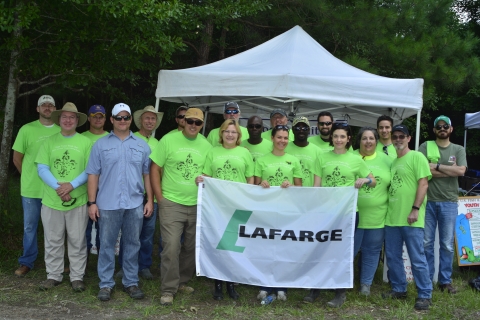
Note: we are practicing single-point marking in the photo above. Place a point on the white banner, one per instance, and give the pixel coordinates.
(297, 237)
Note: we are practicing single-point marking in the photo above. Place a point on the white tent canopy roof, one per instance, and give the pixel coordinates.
(294, 72)
(472, 120)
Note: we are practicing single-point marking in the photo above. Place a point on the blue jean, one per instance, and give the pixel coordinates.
(371, 242)
(88, 234)
(444, 214)
(413, 238)
(146, 242)
(31, 215)
(112, 221)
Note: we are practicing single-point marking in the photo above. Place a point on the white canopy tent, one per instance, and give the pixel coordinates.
(294, 72)
(472, 121)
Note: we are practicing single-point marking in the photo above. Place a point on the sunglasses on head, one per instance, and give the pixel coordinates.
(298, 128)
(231, 111)
(398, 137)
(326, 123)
(281, 126)
(180, 116)
(119, 118)
(444, 126)
(254, 126)
(198, 123)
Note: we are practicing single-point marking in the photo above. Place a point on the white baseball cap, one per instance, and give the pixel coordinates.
(45, 99)
(119, 107)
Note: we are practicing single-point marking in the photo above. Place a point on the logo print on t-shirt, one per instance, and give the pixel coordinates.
(64, 165)
(395, 184)
(188, 168)
(369, 189)
(227, 172)
(277, 179)
(305, 171)
(335, 179)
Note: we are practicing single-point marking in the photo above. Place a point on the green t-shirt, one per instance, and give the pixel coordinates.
(234, 164)
(268, 135)
(341, 170)
(258, 150)
(445, 189)
(182, 160)
(151, 141)
(392, 153)
(67, 158)
(94, 137)
(28, 142)
(277, 169)
(317, 140)
(214, 138)
(373, 202)
(308, 157)
(405, 172)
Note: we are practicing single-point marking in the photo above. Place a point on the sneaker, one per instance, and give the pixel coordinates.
(282, 296)
(364, 289)
(119, 274)
(394, 295)
(449, 287)
(104, 294)
(422, 304)
(22, 271)
(146, 274)
(262, 294)
(134, 292)
(312, 295)
(78, 286)
(185, 289)
(166, 299)
(48, 284)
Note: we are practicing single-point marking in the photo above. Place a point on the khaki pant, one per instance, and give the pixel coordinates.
(178, 262)
(55, 224)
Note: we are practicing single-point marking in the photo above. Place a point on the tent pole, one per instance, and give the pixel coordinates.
(417, 133)
(205, 120)
(465, 140)
(157, 103)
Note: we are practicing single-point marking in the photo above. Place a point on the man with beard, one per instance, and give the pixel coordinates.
(384, 129)
(324, 124)
(405, 220)
(307, 153)
(447, 162)
(257, 145)
(25, 149)
(179, 119)
(231, 110)
(278, 117)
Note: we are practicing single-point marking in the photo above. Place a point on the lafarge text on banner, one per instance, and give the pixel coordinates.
(295, 237)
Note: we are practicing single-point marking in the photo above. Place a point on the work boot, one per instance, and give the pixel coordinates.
(218, 293)
(231, 291)
(312, 295)
(340, 297)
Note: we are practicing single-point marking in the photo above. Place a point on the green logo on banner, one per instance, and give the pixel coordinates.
(230, 236)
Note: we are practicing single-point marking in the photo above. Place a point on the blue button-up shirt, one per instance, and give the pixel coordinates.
(120, 165)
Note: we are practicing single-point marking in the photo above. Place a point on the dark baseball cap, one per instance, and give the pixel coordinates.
(402, 128)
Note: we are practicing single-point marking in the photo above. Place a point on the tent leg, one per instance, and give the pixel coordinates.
(465, 140)
(417, 133)
(157, 103)
(205, 121)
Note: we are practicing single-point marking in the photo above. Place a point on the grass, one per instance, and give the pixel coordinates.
(20, 297)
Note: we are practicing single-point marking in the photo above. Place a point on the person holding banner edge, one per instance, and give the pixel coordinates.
(277, 169)
(228, 161)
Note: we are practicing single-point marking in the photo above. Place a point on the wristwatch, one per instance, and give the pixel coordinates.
(90, 203)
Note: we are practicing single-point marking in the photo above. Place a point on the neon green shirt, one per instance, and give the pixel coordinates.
(308, 157)
(341, 170)
(28, 142)
(182, 160)
(406, 171)
(151, 141)
(277, 169)
(258, 150)
(373, 202)
(317, 140)
(214, 138)
(67, 158)
(268, 135)
(392, 153)
(234, 164)
(94, 137)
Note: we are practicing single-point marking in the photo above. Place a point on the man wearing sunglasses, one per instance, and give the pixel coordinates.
(324, 124)
(231, 110)
(257, 146)
(176, 161)
(61, 163)
(278, 117)
(179, 119)
(447, 162)
(384, 129)
(405, 220)
(119, 168)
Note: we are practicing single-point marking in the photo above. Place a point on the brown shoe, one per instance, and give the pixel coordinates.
(449, 288)
(48, 284)
(78, 286)
(185, 289)
(22, 271)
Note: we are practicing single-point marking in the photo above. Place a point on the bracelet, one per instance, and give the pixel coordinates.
(369, 180)
(415, 207)
(438, 166)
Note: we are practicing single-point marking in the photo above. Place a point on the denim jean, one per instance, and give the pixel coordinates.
(31, 216)
(88, 235)
(112, 221)
(371, 242)
(444, 214)
(413, 238)
(146, 242)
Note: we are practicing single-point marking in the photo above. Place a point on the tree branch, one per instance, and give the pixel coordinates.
(35, 90)
(20, 83)
(191, 45)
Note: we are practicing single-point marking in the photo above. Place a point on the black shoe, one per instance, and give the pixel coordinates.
(449, 288)
(422, 303)
(394, 295)
(312, 295)
(104, 294)
(231, 291)
(339, 300)
(134, 292)
(218, 293)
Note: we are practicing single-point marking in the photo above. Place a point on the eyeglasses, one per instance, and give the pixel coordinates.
(198, 123)
(254, 126)
(282, 127)
(180, 116)
(119, 118)
(399, 137)
(444, 126)
(230, 132)
(232, 111)
(326, 123)
(69, 204)
(385, 150)
(301, 128)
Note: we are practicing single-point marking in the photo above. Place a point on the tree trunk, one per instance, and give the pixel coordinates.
(205, 43)
(223, 37)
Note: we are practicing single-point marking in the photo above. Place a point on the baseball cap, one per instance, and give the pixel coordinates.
(45, 99)
(194, 113)
(96, 108)
(231, 104)
(300, 120)
(119, 107)
(279, 111)
(443, 118)
(402, 128)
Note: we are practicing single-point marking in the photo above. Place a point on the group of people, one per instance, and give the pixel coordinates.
(121, 180)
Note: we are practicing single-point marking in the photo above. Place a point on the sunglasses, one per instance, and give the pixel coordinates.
(326, 123)
(254, 126)
(282, 127)
(232, 111)
(180, 116)
(119, 118)
(444, 126)
(385, 150)
(301, 128)
(399, 137)
(198, 123)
